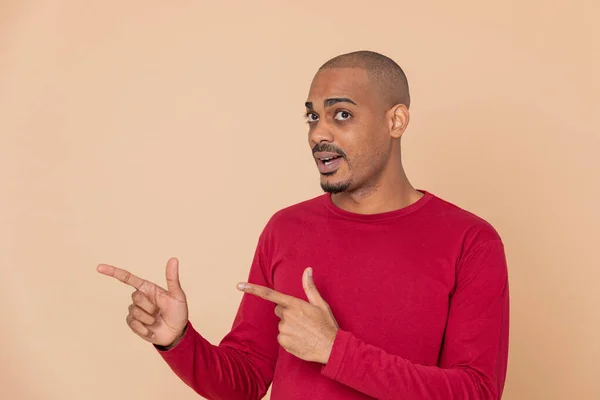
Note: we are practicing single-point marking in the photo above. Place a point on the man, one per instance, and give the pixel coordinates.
(372, 290)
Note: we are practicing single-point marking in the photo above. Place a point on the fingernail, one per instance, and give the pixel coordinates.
(309, 271)
(241, 286)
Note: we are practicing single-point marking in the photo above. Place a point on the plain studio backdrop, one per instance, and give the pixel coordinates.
(134, 131)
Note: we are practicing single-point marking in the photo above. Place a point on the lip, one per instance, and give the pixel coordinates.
(325, 154)
(329, 167)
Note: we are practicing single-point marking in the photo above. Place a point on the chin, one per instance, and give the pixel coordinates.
(335, 186)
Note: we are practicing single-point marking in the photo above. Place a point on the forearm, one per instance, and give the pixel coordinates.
(214, 372)
(374, 372)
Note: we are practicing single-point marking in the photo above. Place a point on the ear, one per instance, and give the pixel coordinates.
(398, 118)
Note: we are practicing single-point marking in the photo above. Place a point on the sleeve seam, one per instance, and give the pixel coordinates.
(468, 258)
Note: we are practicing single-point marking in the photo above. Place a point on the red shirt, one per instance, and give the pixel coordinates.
(420, 294)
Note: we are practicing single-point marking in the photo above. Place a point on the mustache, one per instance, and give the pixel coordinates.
(329, 148)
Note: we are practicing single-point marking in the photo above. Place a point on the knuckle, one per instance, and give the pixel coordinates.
(127, 276)
(284, 328)
(136, 296)
(284, 342)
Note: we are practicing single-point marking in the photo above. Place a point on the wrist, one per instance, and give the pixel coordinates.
(329, 348)
(175, 341)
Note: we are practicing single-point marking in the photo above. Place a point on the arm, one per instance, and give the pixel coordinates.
(242, 365)
(473, 359)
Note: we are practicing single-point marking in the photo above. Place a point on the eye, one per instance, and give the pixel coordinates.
(342, 115)
(311, 117)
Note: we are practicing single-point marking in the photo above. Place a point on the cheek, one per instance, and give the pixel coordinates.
(366, 145)
(360, 158)
(368, 155)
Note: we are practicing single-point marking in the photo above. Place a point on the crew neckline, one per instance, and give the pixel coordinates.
(401, 212)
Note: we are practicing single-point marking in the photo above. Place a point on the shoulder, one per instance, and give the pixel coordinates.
(479, 246)
(470, 228)
(304, 212)
(301, 209)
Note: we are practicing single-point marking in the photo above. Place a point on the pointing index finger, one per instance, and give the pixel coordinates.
(123, 275)
(267, 294)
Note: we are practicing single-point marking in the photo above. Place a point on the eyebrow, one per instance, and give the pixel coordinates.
(330, 102)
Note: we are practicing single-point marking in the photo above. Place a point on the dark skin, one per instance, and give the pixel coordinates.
(368, 132)
(346, 112)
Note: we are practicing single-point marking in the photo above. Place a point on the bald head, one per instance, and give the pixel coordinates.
(383, 72)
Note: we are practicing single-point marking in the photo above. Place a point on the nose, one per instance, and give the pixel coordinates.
(319, 133)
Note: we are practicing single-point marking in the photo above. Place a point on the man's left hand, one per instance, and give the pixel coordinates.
(306, 330)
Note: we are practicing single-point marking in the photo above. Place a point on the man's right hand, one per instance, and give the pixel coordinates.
(157, 315)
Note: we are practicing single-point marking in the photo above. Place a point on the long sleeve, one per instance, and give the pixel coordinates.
(473, 359)
(241, 367)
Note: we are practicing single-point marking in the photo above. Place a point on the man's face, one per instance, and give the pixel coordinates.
(348, 133)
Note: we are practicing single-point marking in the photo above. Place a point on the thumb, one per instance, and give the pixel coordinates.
(173, 285)
(313, 295)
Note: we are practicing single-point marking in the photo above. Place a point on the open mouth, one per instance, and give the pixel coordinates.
(328, 163)
(329, 160)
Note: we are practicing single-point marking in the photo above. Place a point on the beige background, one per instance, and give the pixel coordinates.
(133, 131)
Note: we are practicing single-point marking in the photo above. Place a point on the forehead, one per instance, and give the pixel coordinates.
(340, 82)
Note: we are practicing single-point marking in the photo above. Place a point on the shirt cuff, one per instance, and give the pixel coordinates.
(339, 353)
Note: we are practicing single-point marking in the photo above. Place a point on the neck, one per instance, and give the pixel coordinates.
(392, 191)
